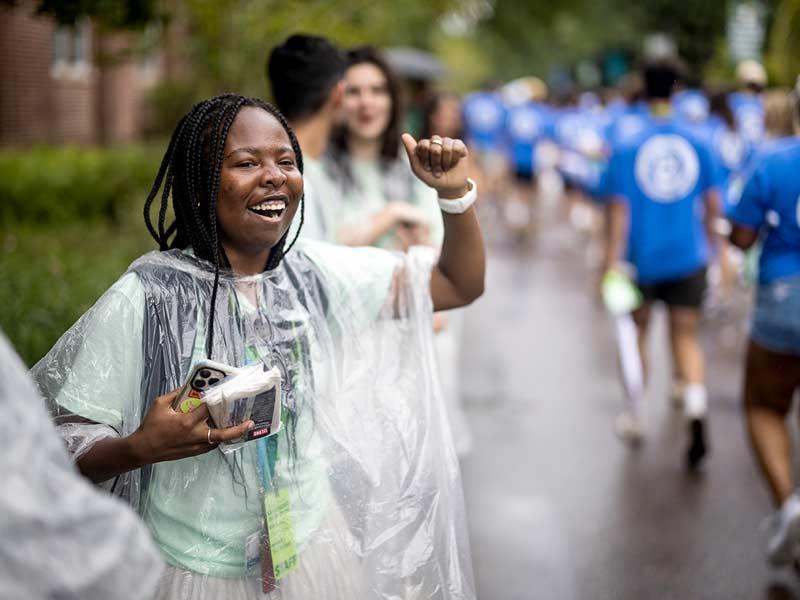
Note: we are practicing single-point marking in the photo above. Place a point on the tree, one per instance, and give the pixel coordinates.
(783, 56)
(116, 14)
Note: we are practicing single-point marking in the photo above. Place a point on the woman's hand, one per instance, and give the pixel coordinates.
(443, 166)
(408, 235)
(393, 216)
(169, 435)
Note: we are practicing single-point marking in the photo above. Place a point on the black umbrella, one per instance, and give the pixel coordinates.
(412, 63)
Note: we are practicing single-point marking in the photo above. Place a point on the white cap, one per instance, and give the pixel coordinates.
(523, 90)
(751, 71)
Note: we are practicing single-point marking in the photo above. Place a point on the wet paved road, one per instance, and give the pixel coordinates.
(558, 508)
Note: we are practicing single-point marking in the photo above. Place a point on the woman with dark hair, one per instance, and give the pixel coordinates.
(382, 204)
(323, 508)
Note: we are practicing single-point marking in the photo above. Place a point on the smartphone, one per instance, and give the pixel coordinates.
(203, 376)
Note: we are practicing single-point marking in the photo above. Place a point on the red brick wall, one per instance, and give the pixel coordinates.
(26, 98)
(119, 94)
(39, 105)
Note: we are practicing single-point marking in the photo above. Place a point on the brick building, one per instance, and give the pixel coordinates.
(69, 84)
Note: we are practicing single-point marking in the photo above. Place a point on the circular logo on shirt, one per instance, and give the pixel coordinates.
(667, 168)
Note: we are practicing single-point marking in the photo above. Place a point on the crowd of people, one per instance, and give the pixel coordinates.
(675, 183)
(317, 237)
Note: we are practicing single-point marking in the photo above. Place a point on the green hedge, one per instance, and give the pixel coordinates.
(67, 184)
(70, 223)
(52, 274)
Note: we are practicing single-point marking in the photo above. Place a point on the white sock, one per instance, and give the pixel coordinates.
(695, 400)
(790, 505)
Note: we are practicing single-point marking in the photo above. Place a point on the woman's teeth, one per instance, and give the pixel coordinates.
(270, 208)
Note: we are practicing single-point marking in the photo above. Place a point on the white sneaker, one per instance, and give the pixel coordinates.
(628, 428)
(783, 529)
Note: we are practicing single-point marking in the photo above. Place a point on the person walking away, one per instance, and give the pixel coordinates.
(769, 214)
(662, 206)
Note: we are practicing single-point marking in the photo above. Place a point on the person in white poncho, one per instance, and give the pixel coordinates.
(359, 494)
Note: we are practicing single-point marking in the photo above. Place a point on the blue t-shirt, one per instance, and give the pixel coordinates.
(622, 126)
(567, 124)
(484, 120)
(729, 152)
(662, 172)
(771, 202)
(748, 112)
(691, 105)
(578, 134)
(526, 125)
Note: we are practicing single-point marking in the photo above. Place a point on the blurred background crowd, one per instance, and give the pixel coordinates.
(541, 93)
(89, 89)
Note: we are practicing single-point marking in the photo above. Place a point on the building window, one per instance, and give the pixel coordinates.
(72, 50)
(148, 50)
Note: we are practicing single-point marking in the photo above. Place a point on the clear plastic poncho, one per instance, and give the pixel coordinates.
(363, 486)
(59, 537)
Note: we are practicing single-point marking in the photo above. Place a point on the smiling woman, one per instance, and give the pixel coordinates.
(260, 189)
(322, 509)
(382, 203)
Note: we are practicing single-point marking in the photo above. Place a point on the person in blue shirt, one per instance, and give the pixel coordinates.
(769, 212)
(747, 104)
(527, 124)
(691, 105)
(728, 147)
(484, 119)
(662, 203)
(484, 124)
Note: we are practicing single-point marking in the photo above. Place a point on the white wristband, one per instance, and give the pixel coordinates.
(460, 205)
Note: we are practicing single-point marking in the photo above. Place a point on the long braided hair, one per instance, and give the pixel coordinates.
(190, 173)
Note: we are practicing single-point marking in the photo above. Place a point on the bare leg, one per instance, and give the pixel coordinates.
(770, 380)
(684, 326)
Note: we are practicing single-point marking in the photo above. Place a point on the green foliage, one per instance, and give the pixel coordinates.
(695, 26)
(228, 41)
(71, 222)
(109, 13)
(64, 184)
(167, 102)
(52, 274)
(529, 38)
(783, 58)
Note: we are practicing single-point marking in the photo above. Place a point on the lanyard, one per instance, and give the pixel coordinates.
(264, 465)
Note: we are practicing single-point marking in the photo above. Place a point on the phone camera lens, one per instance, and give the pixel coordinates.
(200, 383)
(205, 374)
(213, 381)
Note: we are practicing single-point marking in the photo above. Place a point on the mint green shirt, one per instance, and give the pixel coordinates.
(212, 542)
(367, 197)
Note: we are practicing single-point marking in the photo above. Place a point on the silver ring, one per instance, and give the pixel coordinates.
(208, 436)
(437, 139)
